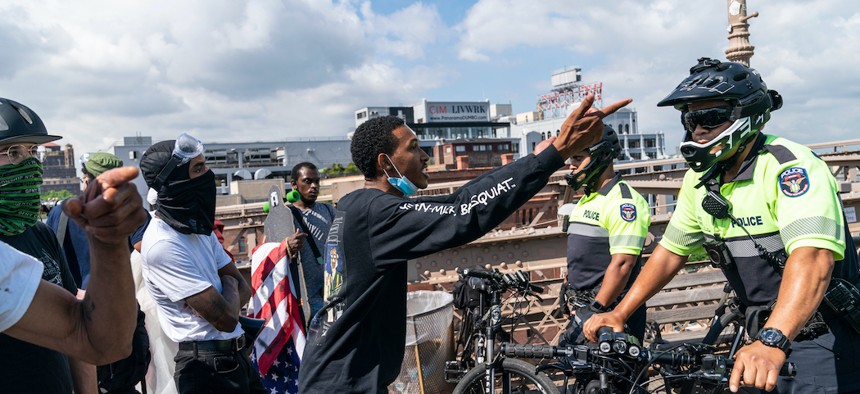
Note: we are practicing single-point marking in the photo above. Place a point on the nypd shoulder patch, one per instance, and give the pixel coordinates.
(628, 212)
(794, 182)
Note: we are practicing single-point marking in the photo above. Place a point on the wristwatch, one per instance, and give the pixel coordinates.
(773, 337)
(596, 306)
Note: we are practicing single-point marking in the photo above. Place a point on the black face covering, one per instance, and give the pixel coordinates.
(188, 205)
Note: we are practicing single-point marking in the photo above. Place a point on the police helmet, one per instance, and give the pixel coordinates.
(748, 100)
(18, 123)
(603, 153)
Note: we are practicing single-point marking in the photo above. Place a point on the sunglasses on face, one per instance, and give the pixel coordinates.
(709, 118)
(17, 153)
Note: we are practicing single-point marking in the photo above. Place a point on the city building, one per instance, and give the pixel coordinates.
(249, 160)
(436, 122)
(469, 153)
(59, 169)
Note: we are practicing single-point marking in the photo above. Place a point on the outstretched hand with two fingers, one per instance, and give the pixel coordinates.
(584, 127)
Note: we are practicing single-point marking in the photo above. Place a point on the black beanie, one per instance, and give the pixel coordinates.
(153, 161)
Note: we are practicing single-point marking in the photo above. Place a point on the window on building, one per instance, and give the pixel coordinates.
(243, 246)
(460, 148)
(447, 149)
(627, 128)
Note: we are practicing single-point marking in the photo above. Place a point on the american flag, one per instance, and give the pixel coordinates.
(278, 348)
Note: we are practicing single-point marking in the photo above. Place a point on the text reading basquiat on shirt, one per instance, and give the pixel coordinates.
(487, 195)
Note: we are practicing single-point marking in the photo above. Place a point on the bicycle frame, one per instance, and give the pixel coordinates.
(487, 332)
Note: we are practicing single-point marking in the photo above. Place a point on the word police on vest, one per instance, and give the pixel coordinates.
(747, 221)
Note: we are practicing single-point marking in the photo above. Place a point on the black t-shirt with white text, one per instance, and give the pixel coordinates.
(373, 235)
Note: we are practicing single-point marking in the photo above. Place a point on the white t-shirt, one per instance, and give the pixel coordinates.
(177, 266)
(20, 275)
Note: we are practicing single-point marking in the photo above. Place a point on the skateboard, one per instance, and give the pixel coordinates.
(279, 224)
(277, 227)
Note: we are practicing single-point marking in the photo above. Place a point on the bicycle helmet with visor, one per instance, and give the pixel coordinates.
(748, 106)
(603, 153)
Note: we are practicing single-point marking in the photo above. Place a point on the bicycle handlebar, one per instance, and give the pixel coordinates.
(517, 279)
(677, 359)
(476, 273)
(535, 351)
(706, 361)
(711, 360)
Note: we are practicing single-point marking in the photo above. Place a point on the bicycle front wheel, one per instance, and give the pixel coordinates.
(513, 376)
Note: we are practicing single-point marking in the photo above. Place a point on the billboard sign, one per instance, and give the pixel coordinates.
(458, 111)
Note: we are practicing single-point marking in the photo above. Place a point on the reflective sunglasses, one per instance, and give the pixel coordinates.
(709, 118)
(17, 153)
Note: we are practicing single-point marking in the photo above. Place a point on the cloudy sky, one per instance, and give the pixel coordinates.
(229, 70)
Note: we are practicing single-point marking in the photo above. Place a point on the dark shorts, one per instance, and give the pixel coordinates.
(216, 371)
(827, 364)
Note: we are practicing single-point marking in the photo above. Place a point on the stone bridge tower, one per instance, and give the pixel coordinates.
(739, 49)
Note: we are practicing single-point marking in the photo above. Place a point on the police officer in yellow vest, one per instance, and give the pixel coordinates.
(606, 231)
(767, 210)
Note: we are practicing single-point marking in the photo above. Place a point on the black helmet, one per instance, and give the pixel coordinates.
(20, 124)
(603, 153)
(745, 93)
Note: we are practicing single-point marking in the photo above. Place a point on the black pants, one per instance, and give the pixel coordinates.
(213, 371)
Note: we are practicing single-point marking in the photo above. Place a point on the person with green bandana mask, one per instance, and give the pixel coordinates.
(25, 365)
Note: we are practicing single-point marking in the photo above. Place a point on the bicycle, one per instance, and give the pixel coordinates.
(619, 355)
(488, 371)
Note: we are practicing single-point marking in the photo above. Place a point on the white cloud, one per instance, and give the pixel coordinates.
(806, 50)
(98, 70)
(404, 33)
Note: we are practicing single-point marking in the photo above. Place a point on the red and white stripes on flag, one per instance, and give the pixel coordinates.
(275, 301)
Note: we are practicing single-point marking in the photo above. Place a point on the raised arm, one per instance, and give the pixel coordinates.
(97, 329)
(413, 229)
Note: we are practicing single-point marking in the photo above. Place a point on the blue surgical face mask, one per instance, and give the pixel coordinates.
(401, 183)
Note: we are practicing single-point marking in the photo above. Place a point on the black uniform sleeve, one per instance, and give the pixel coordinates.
(405, 229)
